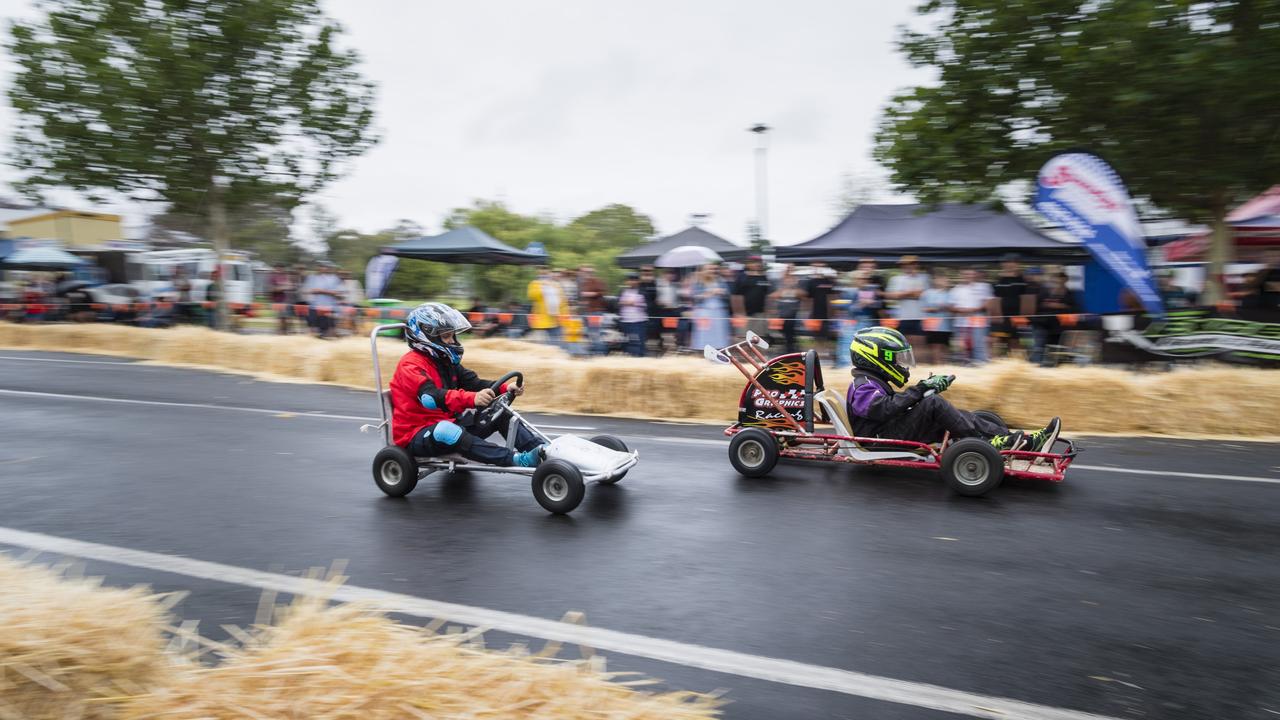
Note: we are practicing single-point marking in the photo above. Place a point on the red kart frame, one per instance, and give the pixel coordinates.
(792, 427)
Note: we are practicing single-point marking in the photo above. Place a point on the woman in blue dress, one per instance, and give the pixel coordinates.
(710, 310)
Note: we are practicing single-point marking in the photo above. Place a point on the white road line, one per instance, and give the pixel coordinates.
(1172, 473)
(130, 363)
(657, 439)
(203, 406)
(775, 670)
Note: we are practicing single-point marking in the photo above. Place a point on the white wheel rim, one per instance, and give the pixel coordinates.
(391, 473)
(556, 488)
(751, 453)
(972, 469)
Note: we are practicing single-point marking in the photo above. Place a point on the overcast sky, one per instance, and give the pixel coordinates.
(563, 106)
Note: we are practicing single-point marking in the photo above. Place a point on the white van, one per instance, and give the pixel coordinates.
(152, 272)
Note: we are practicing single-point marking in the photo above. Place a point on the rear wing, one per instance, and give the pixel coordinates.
(780, 390)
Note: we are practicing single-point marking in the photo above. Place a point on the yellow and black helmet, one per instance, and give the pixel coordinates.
(883, 352)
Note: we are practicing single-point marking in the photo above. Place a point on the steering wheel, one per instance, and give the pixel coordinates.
(501, 400)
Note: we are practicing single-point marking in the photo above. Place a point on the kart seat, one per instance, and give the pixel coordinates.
(833, 408)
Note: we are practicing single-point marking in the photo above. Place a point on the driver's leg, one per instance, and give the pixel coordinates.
(525, 440)
(928, 420)
(446, 437)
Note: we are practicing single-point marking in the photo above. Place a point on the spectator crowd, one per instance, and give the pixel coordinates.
(950, 315)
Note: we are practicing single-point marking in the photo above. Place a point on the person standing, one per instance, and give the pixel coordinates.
(970, 301)
(280, 289)
(1011, 289)
(751, 295)
(633, 314)
(935, 304)
(324, 293)
(591, 298)
(865, 305)
(1055, 300)
(545, 297)
(787, 301)
(711, 310)
(182, 293)
(905, 290)
(818, 289)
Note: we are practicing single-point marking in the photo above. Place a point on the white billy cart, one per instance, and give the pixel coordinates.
(559, 482)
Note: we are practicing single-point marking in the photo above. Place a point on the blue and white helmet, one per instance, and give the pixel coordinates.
(427, 322)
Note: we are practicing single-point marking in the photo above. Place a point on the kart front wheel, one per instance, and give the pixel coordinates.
(612, 443)
(558, 486)
(395, 471)
(753, 452)
(972, 467)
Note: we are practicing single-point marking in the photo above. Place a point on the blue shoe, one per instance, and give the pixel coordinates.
(530, 458)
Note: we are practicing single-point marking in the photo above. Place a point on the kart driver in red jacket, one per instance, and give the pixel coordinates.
(431, 389)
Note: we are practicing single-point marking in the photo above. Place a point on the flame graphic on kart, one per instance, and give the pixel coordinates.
(768, 423)
(790, 373)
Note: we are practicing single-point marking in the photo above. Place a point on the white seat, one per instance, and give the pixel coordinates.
(833, 408)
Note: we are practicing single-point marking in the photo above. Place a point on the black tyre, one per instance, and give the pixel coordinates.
(612, 443)
(972, 467)
(992, 416)
(395, 471)
(753, 452)
(558, 486)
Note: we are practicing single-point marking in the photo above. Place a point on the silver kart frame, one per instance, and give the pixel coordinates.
(428, 465)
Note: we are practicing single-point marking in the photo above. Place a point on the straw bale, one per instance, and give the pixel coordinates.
(1207, 400)
(68, 644)
(348, 663)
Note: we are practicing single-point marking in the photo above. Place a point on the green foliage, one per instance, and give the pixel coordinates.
(418, 279)
(615, 227)
(204, 105)
(1178, 96)
(596, 239)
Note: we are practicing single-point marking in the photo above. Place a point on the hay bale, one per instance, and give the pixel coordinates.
(67, 644)
(1087, 398)
(348, 663)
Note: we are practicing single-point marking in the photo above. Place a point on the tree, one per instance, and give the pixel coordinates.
(210, 106)
(1170, 92)
(618, 227)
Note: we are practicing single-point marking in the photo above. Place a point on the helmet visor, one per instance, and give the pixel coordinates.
(451, 321)
(905, 358)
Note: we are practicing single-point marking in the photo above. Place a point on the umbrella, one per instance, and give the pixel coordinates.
(42, 258)
(687, 256)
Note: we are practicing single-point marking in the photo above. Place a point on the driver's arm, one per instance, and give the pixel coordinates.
(433, 397)
(871, 402)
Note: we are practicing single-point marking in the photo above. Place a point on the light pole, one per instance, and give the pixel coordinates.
(762, 171)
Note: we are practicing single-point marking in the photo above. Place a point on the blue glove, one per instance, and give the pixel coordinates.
(937, 383)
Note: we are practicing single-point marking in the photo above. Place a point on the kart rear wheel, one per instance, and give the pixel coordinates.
(972, 467)
(395, 471)
(558, 486)
(612, 443)
(991, 415)
(753, 452)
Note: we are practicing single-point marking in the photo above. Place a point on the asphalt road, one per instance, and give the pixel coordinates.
(1145, 595)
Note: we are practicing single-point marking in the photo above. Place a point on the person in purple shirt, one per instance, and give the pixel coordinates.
(882, 358)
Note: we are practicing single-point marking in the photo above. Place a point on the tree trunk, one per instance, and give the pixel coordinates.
(1221, 252)
(221, 243)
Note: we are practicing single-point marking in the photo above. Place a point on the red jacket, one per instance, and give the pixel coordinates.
(450, 388)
